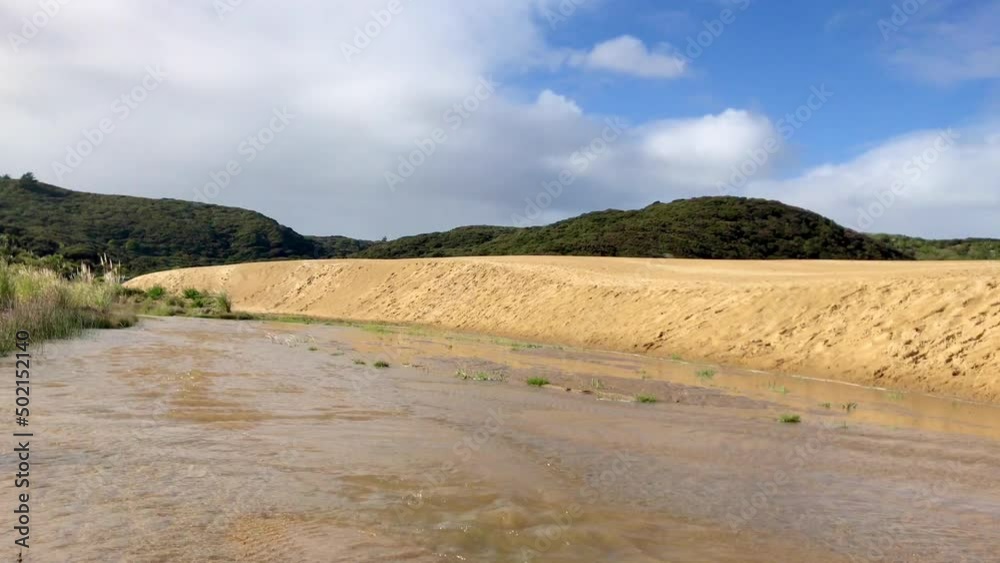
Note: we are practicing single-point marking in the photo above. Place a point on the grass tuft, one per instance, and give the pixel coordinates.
(645, 398)
(538, 381)
(381, 364)
(706, 374)
(790, 419)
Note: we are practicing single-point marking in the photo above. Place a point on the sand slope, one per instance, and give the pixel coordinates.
(927, 326)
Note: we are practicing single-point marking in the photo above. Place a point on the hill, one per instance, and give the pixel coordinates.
(145, 234)
(158, 234)
(707, 227)
(955, 249)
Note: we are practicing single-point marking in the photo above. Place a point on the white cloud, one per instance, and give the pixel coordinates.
(555, 104)
(325, 173)
(942, 181)
(629, 55)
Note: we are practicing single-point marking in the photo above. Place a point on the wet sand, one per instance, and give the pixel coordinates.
(196, 440)
(931, 327)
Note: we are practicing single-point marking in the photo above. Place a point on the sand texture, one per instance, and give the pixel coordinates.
(919, 326)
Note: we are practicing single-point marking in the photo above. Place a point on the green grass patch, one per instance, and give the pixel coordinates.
(790, 419)
(381, 364)
(645, 398)
(538, 381)
(360, 362)
(705, 374)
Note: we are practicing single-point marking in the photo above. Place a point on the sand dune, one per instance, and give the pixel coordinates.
(928, 326)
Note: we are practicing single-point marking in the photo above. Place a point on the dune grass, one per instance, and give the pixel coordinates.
(51, 307)
(538, 381)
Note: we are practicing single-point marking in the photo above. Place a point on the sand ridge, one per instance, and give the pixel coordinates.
(915, 326)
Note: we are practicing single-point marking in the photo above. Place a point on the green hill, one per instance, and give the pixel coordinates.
(707, 227)
(157, 234)
(955, 249)
(145, 234)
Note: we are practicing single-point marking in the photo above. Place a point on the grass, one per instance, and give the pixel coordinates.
(313, 348)
(676, 357)
(597, 383)
(538, 381)
(895, 395)
(706, 374)
(360, 362)
(825, 405)
(790, 419)
(377, 329)
(645, 398)
(778, 388)
(381, 364)
(156, 292)
(51, 307)
(480, 375)
(191, 293)
(190, 302)
(848, 407)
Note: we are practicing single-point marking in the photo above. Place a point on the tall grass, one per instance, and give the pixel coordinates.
(49, 306)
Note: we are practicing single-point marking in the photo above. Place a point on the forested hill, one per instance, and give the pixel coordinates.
(157, 234)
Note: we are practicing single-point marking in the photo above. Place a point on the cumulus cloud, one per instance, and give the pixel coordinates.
(629, 55)
(367, 94)
(940, 178)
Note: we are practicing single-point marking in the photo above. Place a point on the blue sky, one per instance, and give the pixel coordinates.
(603, 109)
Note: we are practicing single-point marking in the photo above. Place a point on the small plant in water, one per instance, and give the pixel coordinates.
(645, 398)
(778, 388)
(706, 374)
(676, 357)
(895, 395)
(313, 348)
(538, 381)
(359, 362)
(596, 383)
(790, 419)
(848, 407)
(825, 405)
(381, 364)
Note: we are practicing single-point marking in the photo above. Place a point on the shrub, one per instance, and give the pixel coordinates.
(538, 381)
(156, 292)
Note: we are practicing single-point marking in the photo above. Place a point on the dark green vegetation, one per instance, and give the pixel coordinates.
(790, 419)
(956, 249)
(707, 227)
(157, 301)
(144, 234)
(645, 398)
(538, 381)
(55, 228)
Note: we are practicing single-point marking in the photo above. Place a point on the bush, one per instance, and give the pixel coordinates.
(156, 292)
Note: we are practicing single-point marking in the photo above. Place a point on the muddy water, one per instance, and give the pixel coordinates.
(193, 440)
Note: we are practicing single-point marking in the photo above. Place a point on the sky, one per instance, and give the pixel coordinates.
(373, 118)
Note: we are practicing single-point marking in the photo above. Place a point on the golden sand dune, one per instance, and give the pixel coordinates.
(925, 326)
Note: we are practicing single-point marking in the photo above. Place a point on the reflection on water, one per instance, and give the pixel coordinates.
(193, 440)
